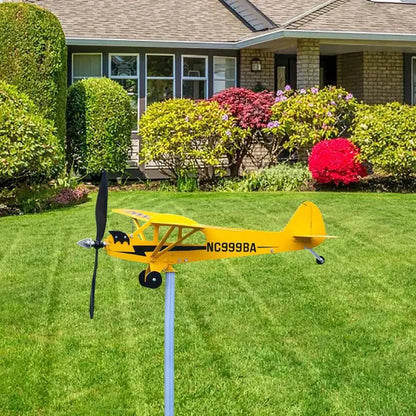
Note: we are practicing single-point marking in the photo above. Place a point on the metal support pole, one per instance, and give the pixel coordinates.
(169, 343)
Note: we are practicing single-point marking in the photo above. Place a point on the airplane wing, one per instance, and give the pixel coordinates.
(160, 219)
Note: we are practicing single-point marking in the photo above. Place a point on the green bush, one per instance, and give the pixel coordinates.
(183, 137)
(98, 126)
(29, 149)
(33, 57)
(303, 118)
(282, 177)
(386, 136)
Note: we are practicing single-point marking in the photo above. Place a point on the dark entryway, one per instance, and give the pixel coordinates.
(285, 71)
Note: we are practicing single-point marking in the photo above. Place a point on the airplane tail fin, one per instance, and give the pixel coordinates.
(307, 222)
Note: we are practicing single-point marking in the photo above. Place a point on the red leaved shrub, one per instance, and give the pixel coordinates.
(336, 161)
(251, 109)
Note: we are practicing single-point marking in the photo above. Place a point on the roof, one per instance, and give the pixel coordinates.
(189, 20)
(232, 24)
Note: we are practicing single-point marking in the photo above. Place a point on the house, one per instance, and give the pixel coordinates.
(159, 49)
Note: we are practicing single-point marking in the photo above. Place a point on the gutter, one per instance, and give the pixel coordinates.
(242, 44)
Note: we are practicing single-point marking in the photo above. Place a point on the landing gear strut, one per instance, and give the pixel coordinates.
(153, 279)
(319, 259)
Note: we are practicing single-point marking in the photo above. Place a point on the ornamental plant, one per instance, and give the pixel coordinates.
(302, 118)
(33, 57)
(386, 135)
(29, 148)
(336, 161)
(252, 111)
(98, 126)
(186, 138)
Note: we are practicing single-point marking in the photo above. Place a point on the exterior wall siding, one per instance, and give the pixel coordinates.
(249, 79)
(308, 63)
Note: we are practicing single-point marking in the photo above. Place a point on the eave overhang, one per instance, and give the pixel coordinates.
(257, 40)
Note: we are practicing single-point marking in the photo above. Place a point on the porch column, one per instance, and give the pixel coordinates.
(308, 63)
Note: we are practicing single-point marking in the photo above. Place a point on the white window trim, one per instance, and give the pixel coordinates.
(168, 78)
(183, 78)
(412, 80)
(137, 55)
(225, 79)
(83, 54)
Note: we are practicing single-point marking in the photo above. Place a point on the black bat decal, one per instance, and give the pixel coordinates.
(120, 237)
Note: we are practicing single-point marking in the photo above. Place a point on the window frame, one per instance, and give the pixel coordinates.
(173, 78)
(183, 78)
(412, 80)
(84, 54)
(137, 77)
(225, 79)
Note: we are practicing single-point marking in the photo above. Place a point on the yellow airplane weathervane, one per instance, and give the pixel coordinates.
(161, 241)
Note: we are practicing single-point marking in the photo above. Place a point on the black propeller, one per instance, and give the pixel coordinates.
(101, 221)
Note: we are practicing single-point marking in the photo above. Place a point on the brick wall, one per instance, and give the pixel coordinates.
(308, 63)
(249, 79)
(383, 77)
(374, 77)
(350, 68)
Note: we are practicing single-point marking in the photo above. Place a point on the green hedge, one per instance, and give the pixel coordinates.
(386, 136)
(98, 126)
(33, 57)
(29, 149)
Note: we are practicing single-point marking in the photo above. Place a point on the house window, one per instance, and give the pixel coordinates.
(124, 69)
(225, 73)
(86, 65)
(160, 76)
(194, 76)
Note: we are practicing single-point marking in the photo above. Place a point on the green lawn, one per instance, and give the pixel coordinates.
(273, 335)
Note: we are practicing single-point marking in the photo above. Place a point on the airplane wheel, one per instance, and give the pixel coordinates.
(141, 278)
(153, 279)
(321, 260)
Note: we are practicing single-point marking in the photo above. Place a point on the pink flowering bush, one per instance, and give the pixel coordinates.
(336, 161)
(71, 196)
(302, 118)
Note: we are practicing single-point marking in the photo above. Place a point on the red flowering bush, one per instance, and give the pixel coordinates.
(336, 161)
(70, 196)
(251, 109)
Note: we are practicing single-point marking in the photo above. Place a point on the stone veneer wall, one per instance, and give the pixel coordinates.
(374, 77)
(308, 63)
(249, 79)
